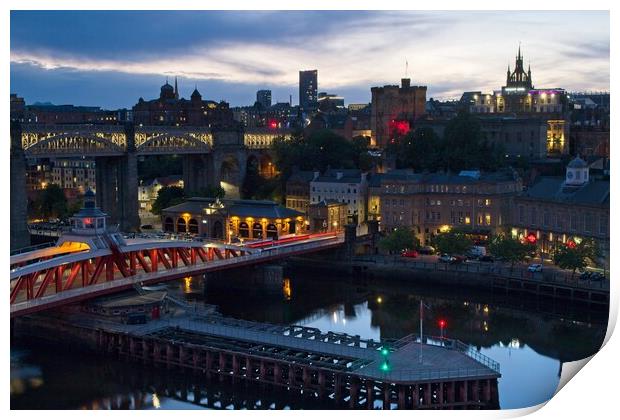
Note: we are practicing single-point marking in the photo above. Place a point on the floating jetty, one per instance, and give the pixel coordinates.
(438, 373)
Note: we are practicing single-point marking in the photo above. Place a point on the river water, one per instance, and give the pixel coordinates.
(530, 339)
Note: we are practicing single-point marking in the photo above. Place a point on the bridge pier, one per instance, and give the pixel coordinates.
(197, 173)
(20, 237)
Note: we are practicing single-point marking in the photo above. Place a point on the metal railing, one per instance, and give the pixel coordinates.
(32, 248)
(518, 273)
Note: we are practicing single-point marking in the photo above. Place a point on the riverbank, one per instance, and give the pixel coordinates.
(488, 277)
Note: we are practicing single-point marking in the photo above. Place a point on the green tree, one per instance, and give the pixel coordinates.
(509, 249)
(159, 166)
(575, 257)
(210, 191)
(419, 150)
(452, 242)
(319, 150)
(166, 197)
(51, 203)
(399, 240)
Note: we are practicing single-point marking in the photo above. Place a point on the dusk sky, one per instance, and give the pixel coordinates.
(110, 59)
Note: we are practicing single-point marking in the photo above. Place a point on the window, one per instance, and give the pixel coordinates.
(487, 219)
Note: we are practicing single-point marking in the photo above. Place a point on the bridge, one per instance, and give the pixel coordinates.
(80, 267)
(210, 157)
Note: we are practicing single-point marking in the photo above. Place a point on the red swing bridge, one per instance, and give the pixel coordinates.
(91, 261)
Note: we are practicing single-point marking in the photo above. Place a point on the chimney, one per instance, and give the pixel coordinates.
(406, 83)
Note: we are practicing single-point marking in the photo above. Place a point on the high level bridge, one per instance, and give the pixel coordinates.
(210, 157)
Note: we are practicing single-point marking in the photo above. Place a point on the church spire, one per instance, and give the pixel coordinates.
(176, 89)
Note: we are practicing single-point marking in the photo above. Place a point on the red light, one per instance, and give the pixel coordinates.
(399, 127)
(442, 323)
(273, 124)
(571, 244)
(531, 238)
(87, 221)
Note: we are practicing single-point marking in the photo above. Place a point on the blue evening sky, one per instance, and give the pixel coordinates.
(111, 58)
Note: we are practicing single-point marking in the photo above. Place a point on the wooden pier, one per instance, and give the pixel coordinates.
(348, 370)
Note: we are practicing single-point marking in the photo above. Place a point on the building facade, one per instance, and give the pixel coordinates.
(558, 209)
(348, 186)
(327, 215)
(169, 109)
(478, 203)
(147, 191)
(308, 87)
(519, 98)
(263, 97)
(228, 219)
(298, 190)
(395, 110)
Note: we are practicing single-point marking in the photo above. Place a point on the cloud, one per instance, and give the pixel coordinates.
(450, 52)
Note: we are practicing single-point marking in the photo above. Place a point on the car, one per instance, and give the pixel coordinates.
(445, 258)
(457, 259)
(426, 250)
(149, 227)
(410, 253)
(535, 268)
(486, 258)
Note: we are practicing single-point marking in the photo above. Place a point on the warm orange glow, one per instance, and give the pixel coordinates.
(286, 289)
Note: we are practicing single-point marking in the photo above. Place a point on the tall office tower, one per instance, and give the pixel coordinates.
(308, 89)
(263, 97)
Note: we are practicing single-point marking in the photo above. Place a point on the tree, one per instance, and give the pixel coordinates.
(210, 191)
(166, 197)
(572, 256)
(399, 240)
(159, 166)
(51, 203)
(420, 150)
(509, 249)
(452, 242)
(319, 150)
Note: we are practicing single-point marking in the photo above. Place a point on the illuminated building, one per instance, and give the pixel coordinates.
(347, 186)
(520, 99)
(226, 219)
(298, 189)
(169, 109)
(263, 97)
(429, 203)
(557, 209)
(327, 215)
(308, 85)
(395, 110)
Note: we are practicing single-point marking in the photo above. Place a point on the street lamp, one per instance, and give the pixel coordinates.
(335, 224)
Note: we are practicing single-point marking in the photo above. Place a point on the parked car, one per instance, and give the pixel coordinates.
(457, 259)
(426, 250)
(445, 258)
(486, 258)
(410, 253)
(535, 268)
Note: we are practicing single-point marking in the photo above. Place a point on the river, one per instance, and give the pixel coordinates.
(530, 339)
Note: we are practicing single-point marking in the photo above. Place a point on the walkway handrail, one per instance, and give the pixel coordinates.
(32, 248)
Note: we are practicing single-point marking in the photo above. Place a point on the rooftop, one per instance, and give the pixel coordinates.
(241, 208)
(553, 188)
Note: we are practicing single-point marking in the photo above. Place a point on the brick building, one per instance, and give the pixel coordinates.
(395, 110)
(557, 209)
(429, 203)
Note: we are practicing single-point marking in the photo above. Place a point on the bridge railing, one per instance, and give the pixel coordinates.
(32, 248)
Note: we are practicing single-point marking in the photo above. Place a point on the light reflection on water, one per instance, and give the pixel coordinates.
(530, 347)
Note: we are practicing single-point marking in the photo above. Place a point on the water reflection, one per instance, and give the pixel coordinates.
(530, 340)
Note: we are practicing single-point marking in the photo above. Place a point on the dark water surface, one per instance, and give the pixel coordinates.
(530, 339)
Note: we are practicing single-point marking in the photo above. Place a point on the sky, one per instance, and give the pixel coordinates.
(112, 58)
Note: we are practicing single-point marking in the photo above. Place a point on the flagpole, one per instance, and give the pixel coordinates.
(421, 318)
